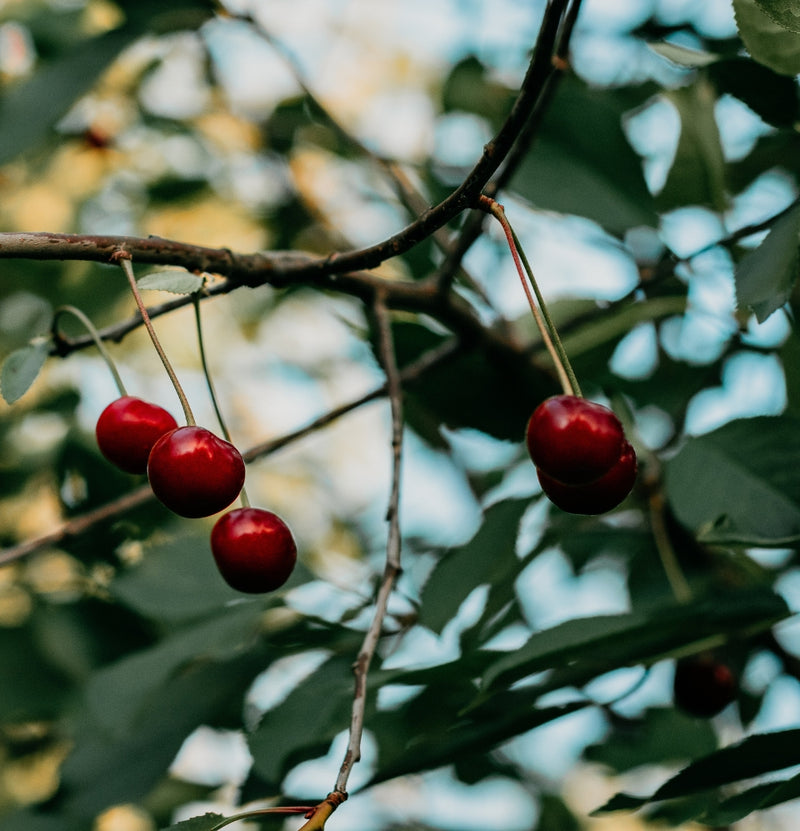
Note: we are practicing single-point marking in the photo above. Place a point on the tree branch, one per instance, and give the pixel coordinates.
(392, 567)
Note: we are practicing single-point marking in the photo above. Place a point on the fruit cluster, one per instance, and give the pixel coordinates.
(584, 463)
(196, 474)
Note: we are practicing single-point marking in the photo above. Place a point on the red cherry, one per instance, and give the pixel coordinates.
(127, 430)
(254, 550)
(703, 685)
(195, 473)
(574, 440)
(596, 497)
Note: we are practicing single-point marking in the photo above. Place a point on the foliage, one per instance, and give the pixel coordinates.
(295, 231)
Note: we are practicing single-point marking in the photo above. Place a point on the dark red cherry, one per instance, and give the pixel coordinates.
(195, 473)
(254, 550)
(703, 685)
(596, 497)
(127, 430)
(574, 440)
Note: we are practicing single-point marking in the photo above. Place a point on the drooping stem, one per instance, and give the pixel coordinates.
(245, 500)
(535, 300)
(669, 561)
(125, 262)
(392, 564)
(264, 812)
(95, 335)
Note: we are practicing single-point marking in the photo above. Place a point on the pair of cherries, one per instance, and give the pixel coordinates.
(196, 474)
(583, 461)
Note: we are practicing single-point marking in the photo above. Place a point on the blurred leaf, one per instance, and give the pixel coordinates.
(581, 162)
(784, 12)
(747, 470)
(177, 282)
(468, 88)
(754, 756)
(461, 570)
(765, 277)
(30, 687)
(303, 725)
(21, 368)
(771, 96)
(697, 175)
(607, 641)
(682, 55)
(660, 736)
(757, 798)
(554, 815)
(766, 40)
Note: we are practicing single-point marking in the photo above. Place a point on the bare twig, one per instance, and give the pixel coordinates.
(392, 566)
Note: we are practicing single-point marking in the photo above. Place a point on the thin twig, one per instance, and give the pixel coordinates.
(392, 565)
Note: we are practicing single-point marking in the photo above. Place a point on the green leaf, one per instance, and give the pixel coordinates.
(481, 560)
(682, 55)
(766, 276)
(660, 736)
(769, 42)
(697, 175)
(203, 823)
(747, 470)
(21, 368)
(608, 641)
(784, 12)
(757, 798)
(304, 724)
(754, 756)
(174, 281)
(581, 162)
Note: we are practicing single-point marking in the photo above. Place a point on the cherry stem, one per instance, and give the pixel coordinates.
(125, 261)
(210, 383)
(669, 561)
(541, 314)
(95, 335)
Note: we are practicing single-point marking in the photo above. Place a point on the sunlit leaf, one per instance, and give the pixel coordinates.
(21, 368)
(784, 12)
(176, 282)
(765, 277)
(769, 42)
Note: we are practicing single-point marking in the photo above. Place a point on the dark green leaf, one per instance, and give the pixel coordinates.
(754, 756)
(203, 823)
(768, 42)
(608, 641)
(747, 470)
(765, 277)
(757, 798)
(697, 175)
(480, 561)
(21, 368)
(304, 724)
(588, 172)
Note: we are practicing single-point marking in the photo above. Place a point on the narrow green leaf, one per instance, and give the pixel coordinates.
(765, 277)
(697, 175)
(757, 798)
(784, 12)
(462, 569)
(607, 641)
(754, 756)
(682, 55)
(21, 368)
(203, 823)
(591, 172)
(176, 282)
(747, 471)
(768, 41)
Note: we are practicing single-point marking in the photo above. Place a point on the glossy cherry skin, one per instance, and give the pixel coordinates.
(703, 686)
(195, 473)
(254, 550)
(127, 430)
(596, 497)
(574, 440)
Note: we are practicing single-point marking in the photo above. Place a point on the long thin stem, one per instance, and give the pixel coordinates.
(245, 500)
(392, 565)
(95, 335)
(124, 260)
(675, 577)
(565, 376)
